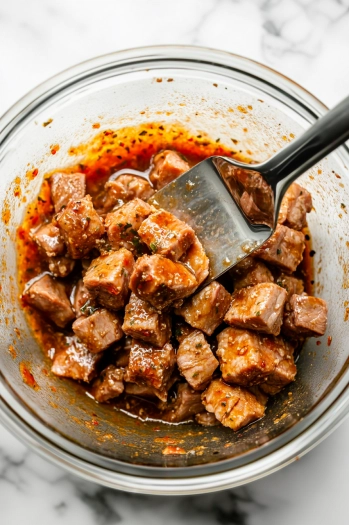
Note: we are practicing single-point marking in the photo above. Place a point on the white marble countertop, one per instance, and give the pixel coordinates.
(308, 40)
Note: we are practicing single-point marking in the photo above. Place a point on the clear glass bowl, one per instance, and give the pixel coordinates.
(225, 96)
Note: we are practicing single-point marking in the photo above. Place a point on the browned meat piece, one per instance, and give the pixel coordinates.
(107, 278)
(49, 296)
(167, 166)
(76, 361)
(261, 396)
(151, 366)
(109, 384)
(61, 266)
(146, 391)
(185, 406)
(123, 224)
(80, 226)
(99, 330)
(295, 205)
(123, 355)
(166, 235)
(48, 238)
(285, 370)
(233, 406)
(243, 356)
(206, 309)
(258, 307)
(256, 274)
(305, 316)
(142, 321)
(292, 285)
(81, 300)
(196, 361)
(197, 261)
(161, 281)
(124, 189)
(206, 419)
(182, 330)
(284, 248)
(65, 187)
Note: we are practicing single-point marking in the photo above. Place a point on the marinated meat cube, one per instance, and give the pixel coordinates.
(166, 235)
(99, 330)
(81, 300)
(185, 406)
(109, 384)
(258, 307)
(107, 278)
(206, 419)
(256, 274)
(161, 281)
(167, 166)
(142, 321)
(261, 396)
(65, 187)
(61, 266)
(206, 309)
(49, 296)
(151, 366)
(305, 316)
(123, 224)
(244, 358)
(284, 248)
(295, 205)
(233, 406)
(197, 261)
(123, 354)
(182, 330)
(124, 189)
(76, 361)
(80, 226)
(285, 370)
(292, 285)
(49, 239)
(196, 361)
(252, 211)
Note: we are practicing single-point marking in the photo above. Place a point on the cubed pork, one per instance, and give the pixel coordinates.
(166, 235)
(305, 316)
(99, 330)
(143, 321)
(76, 361)
(285, 370)
(65, 187)
(284, 248)
(123, 224)
(186, 405)
(258, 307)
(61, 266)
(80, 226)
(81, 300)
(167, 166)
(107, 278)
(182, 330)
(206, 419)
(125, 188)
(161, 281)
(295, 205)
(292, 285)
(49, 239)
(257, 273)
(206, 309)
(234, 406)
(196, 361)
(109, 384)
(49, 296)
(196, 259)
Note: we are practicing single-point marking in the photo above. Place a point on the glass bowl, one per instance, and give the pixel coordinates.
(228, 97)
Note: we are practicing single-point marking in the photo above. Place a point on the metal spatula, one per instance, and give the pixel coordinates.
(233, 207)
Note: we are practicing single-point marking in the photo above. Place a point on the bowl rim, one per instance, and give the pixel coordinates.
(308, 435)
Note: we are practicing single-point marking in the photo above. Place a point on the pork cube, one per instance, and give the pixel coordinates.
(206, 309)
(233, 406)
(65, 187)
(49, 239)
(197, 261)
(150, 365)
(61, 266)
(107, 278)
(258, 307)
(243, 357)
(295, 205)
(80, 226)
(161, 281)
(182, 330)
(292, 285)
(305, 316)
(167, 166)
(49, 296)
(284, 248)
(123, 224)
(109, 384)
(186, 405)
(206, 419)
(99, 330)
(126, 188)
(166, 235)
(81, 300)
(196, 361)
(76, 361)
(142, 321)
(256, 274)
(123, 353)
(285, 370)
